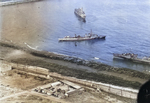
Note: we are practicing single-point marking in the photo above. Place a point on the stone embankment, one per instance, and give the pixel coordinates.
(42, 72)
(79, 61)
(12, 2)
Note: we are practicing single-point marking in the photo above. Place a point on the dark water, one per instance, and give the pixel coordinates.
(125, 23)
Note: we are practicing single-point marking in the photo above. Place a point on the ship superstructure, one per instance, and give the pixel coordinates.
(79, 12)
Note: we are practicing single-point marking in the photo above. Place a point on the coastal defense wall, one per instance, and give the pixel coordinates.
(12, 2)
(98, 86)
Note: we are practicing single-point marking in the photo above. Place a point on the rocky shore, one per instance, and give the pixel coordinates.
(99, 72)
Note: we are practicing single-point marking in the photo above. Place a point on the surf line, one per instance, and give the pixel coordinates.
(30, 46)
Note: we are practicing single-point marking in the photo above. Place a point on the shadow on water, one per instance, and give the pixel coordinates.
(131, 64)
(80, 19)
(95, 41)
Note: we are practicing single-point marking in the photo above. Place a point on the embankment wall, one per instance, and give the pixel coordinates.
(117, 90)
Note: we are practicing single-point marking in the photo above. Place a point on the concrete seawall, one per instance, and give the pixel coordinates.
(13, 2)
(117, 90)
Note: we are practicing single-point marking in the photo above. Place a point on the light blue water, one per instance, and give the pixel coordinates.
(125, 23)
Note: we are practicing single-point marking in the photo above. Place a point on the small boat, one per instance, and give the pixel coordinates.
(79, 12)
(133, 57)
(89, 36)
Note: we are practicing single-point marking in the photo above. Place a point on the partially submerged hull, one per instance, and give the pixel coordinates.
(125, 56)
(132, 57)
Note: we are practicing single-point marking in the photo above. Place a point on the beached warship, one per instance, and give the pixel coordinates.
(133, 57)
(79, 12)
(89, 36)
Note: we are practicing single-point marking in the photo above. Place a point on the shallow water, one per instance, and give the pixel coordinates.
(40, 24)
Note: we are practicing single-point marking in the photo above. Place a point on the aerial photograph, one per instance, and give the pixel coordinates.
(74, 51)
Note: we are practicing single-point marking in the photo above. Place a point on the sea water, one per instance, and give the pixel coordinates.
(125, 23)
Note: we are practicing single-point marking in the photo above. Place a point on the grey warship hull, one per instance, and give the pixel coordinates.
(89, 36)
(80, 13)
(80, 38)
(132, 57)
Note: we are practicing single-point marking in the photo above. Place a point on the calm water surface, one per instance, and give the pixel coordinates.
(125, 23)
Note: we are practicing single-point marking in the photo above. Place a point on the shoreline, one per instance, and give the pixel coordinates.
(79, 61)
(78, 73)
(14, 2)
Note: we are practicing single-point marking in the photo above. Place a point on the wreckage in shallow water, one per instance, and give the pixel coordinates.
(133, 57)
(126, 56)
